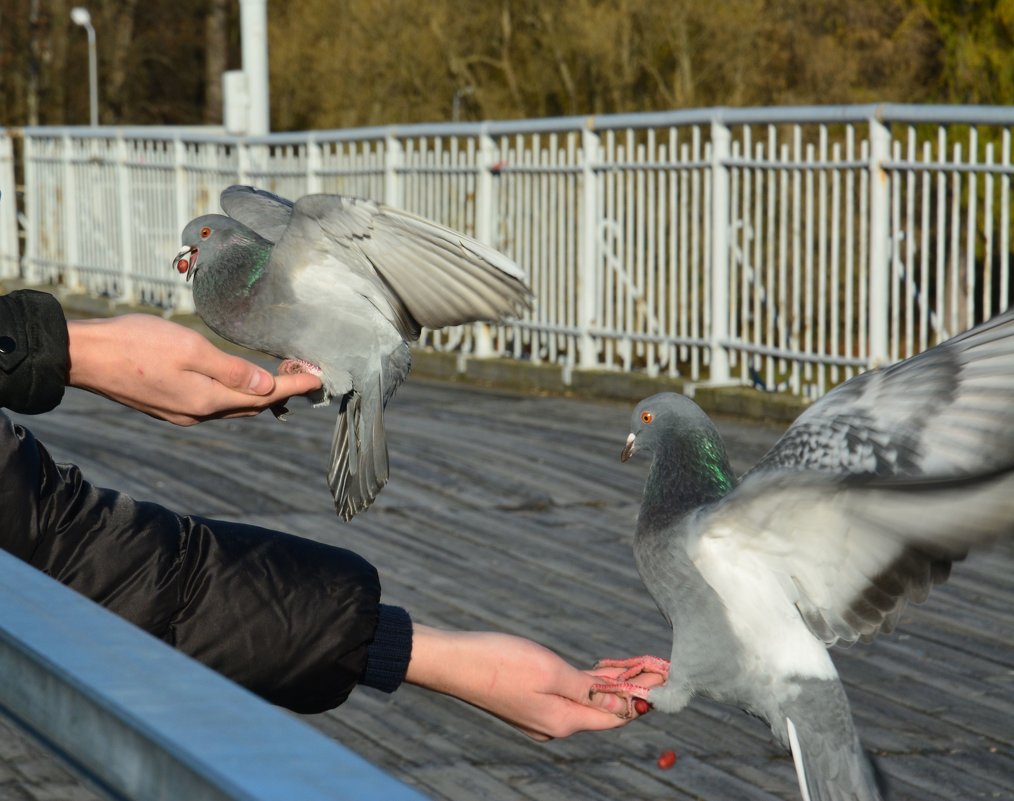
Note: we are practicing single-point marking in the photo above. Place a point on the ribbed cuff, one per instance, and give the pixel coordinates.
(388, 655)
(33, 351)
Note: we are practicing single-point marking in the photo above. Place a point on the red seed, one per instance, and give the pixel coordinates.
(641, 706)
(667, 760)
(183, 265)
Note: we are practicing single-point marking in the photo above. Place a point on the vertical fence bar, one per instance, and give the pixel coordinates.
(183, 299)
(941, 248)
(394, 159)
(970, 232)
(879, 265)
(313, 165)
(588, 256)
(32, 192)
(485, 156)
(72, 250)
(924, 252)
(721, 139)
(243, 159)
(850, 265)
(9, 256)
(126, 288)
(1005, 265)
(987, 230)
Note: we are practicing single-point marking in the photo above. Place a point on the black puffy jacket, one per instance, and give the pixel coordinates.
(295, 621)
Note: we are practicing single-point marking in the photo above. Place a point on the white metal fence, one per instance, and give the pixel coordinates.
(787, 247)
(8, 210)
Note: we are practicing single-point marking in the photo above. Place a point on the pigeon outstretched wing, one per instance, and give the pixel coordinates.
(946, 411)
(849, 553)
(439, 277)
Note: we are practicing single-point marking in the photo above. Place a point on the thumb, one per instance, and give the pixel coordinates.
(244, 376)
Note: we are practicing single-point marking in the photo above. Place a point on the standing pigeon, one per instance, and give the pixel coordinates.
(861, 505)
(339, 286)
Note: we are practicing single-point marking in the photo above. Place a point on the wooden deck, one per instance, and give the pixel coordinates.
(514, 513)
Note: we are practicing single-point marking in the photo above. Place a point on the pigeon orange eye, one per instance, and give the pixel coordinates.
(647, 417)
(205, 232)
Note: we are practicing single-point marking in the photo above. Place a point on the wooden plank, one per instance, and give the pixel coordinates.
(513, 513)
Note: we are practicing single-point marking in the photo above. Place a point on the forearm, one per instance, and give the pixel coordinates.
(466, 664)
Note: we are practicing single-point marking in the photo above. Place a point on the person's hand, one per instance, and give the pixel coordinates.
(172, 372)
(517, 680)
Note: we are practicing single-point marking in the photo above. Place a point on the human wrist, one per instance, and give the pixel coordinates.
(85, 344)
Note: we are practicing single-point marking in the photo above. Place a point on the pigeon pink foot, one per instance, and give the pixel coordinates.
(636, 665)
(293, 366)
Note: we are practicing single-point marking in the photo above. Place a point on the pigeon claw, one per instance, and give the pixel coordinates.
(637, 665)
(294, 366)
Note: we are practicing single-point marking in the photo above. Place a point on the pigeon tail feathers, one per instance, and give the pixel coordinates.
(830, 762)
(358, 466)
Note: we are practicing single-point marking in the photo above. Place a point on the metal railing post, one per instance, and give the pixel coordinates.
(313, 163)
(30, 262)
(8, 210)
(243, 163)
(588, 253)
(482, 345)
(880, 255)
(394, 157)
(72, 249)
(721, 139)
(126, 221)
(183, 297)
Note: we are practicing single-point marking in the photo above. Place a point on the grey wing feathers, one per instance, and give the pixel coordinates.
(854, 552)
(441, 277)
(261, 211)
(945, 411)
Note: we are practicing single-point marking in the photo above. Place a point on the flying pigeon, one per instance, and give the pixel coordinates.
(861, 506)
(339, 286)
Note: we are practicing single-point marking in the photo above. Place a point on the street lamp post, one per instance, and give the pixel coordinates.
(80, 16)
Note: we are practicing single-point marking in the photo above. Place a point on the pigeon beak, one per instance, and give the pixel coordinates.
(628, 449)
(186, 265)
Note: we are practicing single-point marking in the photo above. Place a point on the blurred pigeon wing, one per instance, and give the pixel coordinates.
(261, 211)
(849, 555)
(440, 277)
(946, 411)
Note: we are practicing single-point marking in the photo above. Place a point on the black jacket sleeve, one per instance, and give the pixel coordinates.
(297, 622)
(33, 351)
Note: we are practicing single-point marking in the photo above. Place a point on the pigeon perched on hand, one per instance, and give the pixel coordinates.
(338, 286)
(862, 505)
